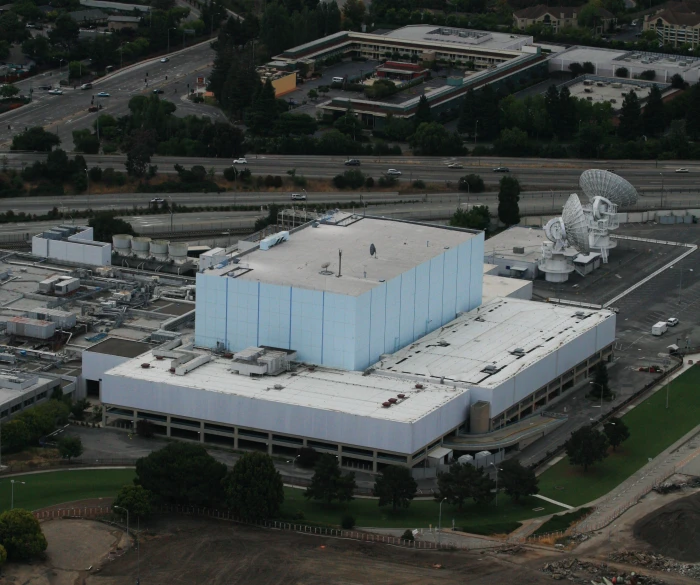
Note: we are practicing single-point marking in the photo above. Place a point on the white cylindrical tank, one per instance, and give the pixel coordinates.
(122, 244)
(159, 249)
(140, 246)
(178, 252)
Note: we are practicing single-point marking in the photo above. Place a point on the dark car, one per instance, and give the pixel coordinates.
(352, 162)
(501, 170)
(158, 91)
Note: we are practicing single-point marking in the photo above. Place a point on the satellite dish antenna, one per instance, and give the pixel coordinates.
(372, 250)
(556, 232)
(599, 183)
(575, 224)
(606, 192)
(324, 268)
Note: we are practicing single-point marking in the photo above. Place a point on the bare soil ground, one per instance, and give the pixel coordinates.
(74, 547)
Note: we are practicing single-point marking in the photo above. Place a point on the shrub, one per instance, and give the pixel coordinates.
(269, 181)
(387, 181)
(348, 522)
(307, 457)
(419, 184)
(95, 174)
(277, 182)
(622, 72)
(369, 182)
(407, 535)
(144, 428)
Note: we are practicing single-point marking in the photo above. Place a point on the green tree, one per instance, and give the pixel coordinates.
(349, 125)
(467, 114)
(433, 139)
(21, 535)
(616, 431)
(3, 555)
(296, 125)
(476, 218)
(692, 113)
(136, 499)
(105, 225)
(64, 32)
(78, 408)
(8, 90)
(513, 142)
(586, 447)
(75, 70)
(183, 474)
(57, 393)
(396, 486)
(677, 81)
(140, 147)
(70, 447)
(15, 435)
(397, 128)
(601, 381)
(353, 14)
(328, 483)
(462, 482)
(312, 94)
(35, 138)
(622, 72)
(253, 487)
(630, 117)
(471, 183)
(508, 197)
(276, 28)
(517, 481)
(423, 112)
(85, 141)
(263, 112)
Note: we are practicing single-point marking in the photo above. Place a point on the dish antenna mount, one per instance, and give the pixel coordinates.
(372, 250)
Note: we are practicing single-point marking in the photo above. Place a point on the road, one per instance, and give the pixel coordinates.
(64, 113)
(532, 173)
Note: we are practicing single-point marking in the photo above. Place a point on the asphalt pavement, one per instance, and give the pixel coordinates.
(64, 113)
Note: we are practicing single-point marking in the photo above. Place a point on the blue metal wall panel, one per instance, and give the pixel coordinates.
(408, 307)
(449, 285)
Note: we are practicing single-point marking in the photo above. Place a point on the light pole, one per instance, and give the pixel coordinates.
(476, 128)
(497, 470)
(12, 496)
(127, 518)
(60, 66)
(171, 215)
(662, 190)
(87, 177)
(601, 394)
(440, 519)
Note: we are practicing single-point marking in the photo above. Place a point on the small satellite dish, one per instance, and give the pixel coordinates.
(324, 269)
(372, 250)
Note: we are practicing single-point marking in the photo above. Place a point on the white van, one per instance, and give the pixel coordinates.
(659, 328)
(338, 80)
(300, 196)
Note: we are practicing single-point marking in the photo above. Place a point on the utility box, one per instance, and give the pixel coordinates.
(659, 328)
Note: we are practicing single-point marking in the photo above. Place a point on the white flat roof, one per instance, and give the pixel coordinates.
(460, 350)
(502, 286)
(298, 262)
(326, 389)
(490, 40)
(530, 238)
(632, 60)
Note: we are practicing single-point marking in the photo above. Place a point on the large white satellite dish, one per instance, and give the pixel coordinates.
(599, 183)
(575, 224)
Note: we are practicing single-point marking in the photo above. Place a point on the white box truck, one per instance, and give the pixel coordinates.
(660, 328)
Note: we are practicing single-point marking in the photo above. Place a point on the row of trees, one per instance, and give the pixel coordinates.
(588, 446)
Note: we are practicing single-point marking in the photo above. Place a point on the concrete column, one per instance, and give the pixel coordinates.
(374, 461)
(201, 431)
(269, 444)
(235, 438)
(104, 416)
(167, 426)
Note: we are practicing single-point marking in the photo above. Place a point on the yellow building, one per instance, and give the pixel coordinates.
(676, 24)
(558, 17)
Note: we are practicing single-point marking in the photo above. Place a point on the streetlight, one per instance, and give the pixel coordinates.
(60, 66)
(601, 394)
(662, 190)
(440, 519)
(171, 215)
(127, 518)
(12, 497)
(87, 177)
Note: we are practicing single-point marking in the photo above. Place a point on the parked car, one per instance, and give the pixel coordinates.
(103, 94)
(352, 162)
(56, 92)
(301, 196)
(501, 170)
(393, 173)
(164, 60)
(156, 91)
(672, 322)
(682, 170)
(86, 86)
(240, 161)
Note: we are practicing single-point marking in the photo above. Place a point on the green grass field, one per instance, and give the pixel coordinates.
(421, 513)
(56, 487)
(653, 428)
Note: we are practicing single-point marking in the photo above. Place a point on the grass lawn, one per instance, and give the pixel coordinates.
(490, 519)
(561, 522)
(56, 487)
(653, 428)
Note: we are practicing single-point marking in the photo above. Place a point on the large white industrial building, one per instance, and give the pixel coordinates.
(380, 355)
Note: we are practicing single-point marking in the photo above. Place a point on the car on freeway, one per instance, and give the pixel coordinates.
(56, 92)
(455, 166)
(157, 200)
(158, 91)
(164, 60)
(240, 161)
(682, 170)
(86, 86)
(103, 94)
(301, 196)
(352, 162)
(610, 170)
(672, 322)
(393, 173)
(501, 170)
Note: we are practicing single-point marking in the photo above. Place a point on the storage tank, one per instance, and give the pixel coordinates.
(34, 328)
(178, 252)
(140, 247)
(122, 244)
(159, 249)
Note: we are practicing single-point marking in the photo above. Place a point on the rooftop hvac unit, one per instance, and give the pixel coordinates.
(518, 249)
(490, 369)
(519, 351)
(579, 314)
(392, 400)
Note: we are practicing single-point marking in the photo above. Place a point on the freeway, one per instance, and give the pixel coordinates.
(547, 174)
(64, 113)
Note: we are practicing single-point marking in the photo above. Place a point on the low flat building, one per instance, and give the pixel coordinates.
(72, 244)
(676, 26)
(121, 22)
(93, 16)
(115, 6)
(19, 390)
